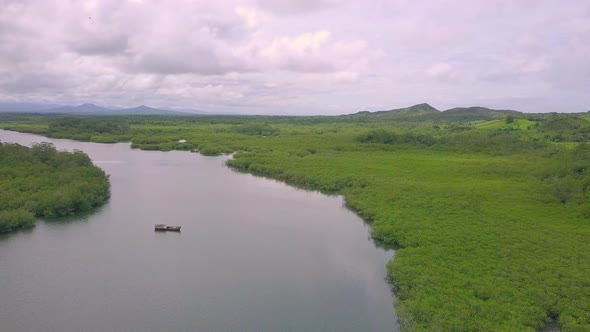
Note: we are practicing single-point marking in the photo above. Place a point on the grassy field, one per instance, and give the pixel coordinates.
(489, 216)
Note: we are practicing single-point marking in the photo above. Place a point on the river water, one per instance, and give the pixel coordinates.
(254, 255)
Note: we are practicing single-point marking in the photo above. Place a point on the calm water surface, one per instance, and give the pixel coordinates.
(254, 255)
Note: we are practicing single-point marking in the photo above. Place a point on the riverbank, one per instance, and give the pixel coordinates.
(491, 234)
(279, 265)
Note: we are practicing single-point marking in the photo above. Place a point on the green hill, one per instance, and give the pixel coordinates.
(419, 109)
(477, 113)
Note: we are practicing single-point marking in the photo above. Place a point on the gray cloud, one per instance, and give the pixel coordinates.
(32, 83)
(329, 56)
(197, 60)
(289, 7)
(97, 45)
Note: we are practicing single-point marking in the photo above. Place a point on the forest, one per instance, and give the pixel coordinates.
(41, 182)
(488, 210)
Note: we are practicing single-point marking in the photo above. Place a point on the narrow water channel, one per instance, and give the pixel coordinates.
(253, 255)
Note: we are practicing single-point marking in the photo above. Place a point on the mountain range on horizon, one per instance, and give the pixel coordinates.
(426, 109)
(90, 109)
(93, 109)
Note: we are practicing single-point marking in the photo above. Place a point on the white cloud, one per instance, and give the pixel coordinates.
(296, 56)
(252, 16)
(316, 52)
(290, 7)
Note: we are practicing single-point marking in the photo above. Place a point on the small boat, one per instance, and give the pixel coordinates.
(164, 227)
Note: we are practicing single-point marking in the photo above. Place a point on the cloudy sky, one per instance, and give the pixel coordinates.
(298, 56)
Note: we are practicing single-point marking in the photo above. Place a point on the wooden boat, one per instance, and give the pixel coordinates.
(164, 227)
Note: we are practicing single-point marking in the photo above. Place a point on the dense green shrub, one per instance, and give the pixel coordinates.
(41, 182)
(257, 129)
(14, 219)
(387, 137)
(67, 126)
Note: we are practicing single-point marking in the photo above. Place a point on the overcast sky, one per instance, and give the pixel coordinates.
(298, 56)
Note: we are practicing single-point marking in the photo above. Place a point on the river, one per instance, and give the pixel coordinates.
(254, 255)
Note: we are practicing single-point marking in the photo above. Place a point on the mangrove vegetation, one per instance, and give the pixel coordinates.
(489, 210)
(41, 182)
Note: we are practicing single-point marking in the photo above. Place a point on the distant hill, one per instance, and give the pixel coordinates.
(89, 109)
(419, 109)
(478, 112)
(97, 110)
(427, 112)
